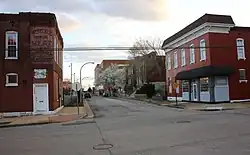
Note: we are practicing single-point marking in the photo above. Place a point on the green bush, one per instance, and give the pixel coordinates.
(148, 89)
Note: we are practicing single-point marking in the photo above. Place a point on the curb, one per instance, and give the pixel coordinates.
(89, 111)
(38, 123)
(28, 124)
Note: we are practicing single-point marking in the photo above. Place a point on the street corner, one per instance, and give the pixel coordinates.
(24, 121)
(88, 110)
(65, 118)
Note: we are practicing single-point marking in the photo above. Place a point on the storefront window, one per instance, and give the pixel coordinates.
(185, 86)
(204, 84)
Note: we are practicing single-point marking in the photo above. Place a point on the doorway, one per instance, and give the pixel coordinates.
(40, 98)
(195, 89)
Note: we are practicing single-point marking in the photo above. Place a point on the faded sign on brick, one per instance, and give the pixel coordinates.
(41, 44)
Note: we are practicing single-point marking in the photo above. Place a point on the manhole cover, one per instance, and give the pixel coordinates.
(183, 121)
(102, 146)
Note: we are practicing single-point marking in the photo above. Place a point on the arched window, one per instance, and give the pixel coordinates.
(240, 48)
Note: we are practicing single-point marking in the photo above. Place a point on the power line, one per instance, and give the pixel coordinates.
(129, 48)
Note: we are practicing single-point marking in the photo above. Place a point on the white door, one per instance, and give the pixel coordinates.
(195, 92)
(41, 102)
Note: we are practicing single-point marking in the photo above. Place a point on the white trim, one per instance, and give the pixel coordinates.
(6, 44)
(191, 54)
(197, 32)
(243, 44)
(176, 60)
(203, 56)
(7, 84)
(183, 57)
(168, 62)
(244, 100)
(174, 98)
(34, 95)
(243, 81)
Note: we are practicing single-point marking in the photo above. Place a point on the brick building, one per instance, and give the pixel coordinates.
(209, 60)
(147, 68)
(31, 64)
(105, 64)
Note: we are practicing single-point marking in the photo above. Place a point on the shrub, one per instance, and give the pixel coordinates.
(148, 89)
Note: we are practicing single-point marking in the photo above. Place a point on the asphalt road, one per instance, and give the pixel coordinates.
(133, 128)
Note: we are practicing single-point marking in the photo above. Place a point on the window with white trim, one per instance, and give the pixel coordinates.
(192, 54)
(202, 50)
(183, 57)
(55, 49)
(240, 48)
(11, 43)
(11, 79)
(175, 60)
(242, 74)
(169, 62)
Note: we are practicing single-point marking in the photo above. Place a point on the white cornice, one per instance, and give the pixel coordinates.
(197, 32)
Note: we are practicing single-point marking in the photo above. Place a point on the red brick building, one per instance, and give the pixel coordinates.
(106, 63)
(209, 60)
(30, 64)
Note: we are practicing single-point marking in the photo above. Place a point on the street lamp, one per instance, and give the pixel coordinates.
(90, 62)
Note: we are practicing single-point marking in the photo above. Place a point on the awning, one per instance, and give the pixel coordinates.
(205, 72)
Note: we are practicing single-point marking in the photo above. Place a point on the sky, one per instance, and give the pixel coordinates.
(103, 23)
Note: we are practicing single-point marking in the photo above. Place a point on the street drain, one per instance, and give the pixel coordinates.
(102, 146)
(183, 121)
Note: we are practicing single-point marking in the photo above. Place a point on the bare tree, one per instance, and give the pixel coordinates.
(147, 56)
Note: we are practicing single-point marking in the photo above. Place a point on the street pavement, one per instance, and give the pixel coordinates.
(135, 128)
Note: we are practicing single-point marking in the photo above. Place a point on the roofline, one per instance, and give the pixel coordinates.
(197, 23)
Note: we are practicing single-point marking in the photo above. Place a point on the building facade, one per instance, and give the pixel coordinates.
(31, 63)
(148, 68)
(97, 74)
(207, 61)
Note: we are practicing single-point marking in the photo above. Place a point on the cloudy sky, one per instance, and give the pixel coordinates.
(91, 23)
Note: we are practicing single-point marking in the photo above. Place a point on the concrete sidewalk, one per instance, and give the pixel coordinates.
(203, 106)
(66, 114)
(194, 106)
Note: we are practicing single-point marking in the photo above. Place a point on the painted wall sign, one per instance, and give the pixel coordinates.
(41, 42)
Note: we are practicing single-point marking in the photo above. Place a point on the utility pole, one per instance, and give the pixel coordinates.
(71, 80)
(74, 77)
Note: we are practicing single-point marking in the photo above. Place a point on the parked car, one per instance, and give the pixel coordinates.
(87, 95)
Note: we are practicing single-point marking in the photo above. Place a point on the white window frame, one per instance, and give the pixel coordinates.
(175, 60)
(168, 62)
(7, 80)
(203, 50)
(245, 80)
(6, 44)
(240, 48)
(183, 57)
(192, 54)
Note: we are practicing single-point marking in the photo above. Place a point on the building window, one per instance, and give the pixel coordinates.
(175, 60)
(243, 77)
(169, 62)
(204, 84)
(185, 86)
(202, 50)
(221, 81)
(192, 54)
(11, 42)
(11, 79)
(183, 57)
(240, 48)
